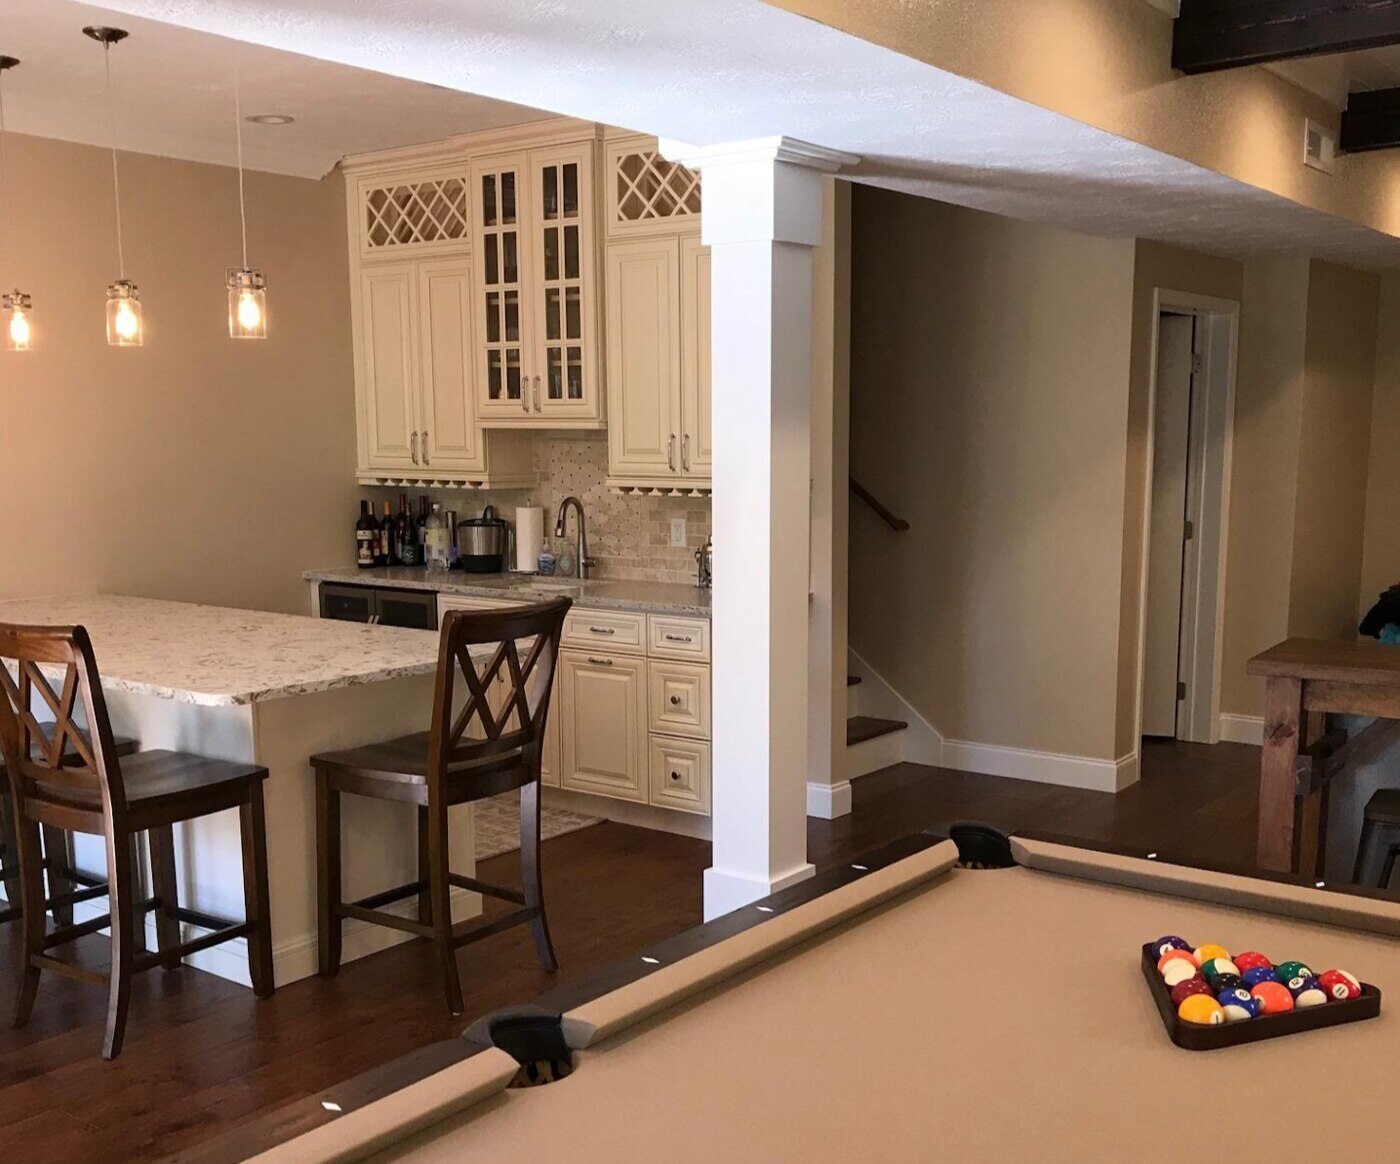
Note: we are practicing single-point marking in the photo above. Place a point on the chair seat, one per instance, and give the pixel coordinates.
(404, 762)
(159, 783)
(1384, 807)
(124, 745)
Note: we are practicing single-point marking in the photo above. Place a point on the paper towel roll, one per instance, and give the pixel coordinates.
(529, 537)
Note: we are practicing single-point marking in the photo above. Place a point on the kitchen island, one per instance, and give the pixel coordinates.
(268, 689)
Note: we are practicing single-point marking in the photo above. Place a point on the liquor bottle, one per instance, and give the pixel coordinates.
(384, 554)
(366, 538)
(437, 541)
(405, 536)
(420, 526)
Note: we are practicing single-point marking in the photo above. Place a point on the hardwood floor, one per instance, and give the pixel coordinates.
(203, 1055)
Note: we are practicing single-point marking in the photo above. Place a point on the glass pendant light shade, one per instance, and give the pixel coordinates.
(18, 309)
(124, 328)
(247, 303)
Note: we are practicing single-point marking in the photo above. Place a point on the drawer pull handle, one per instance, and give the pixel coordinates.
(679, 639)
(675, 776)
(600, 662)
(602, 630)
(675, 701)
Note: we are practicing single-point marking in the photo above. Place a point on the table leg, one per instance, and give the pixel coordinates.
(1283, 711)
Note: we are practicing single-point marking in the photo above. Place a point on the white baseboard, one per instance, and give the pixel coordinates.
(1045, 767)
(828, 801)
(1242, 729)
(725, 891)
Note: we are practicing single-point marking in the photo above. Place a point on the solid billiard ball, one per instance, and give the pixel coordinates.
(1250, 960)
(1238, 1004)
(1226, 982)
(1184, 990)
(1177, 970)
(1168, 944)
(1308, 993)
(1286, 971)
(1339, 984)
(1214, 967)
(1273, 997)
(1210, 950)
(1202, 1009)
(1257, 974)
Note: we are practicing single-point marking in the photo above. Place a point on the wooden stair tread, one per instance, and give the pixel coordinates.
(860, 728)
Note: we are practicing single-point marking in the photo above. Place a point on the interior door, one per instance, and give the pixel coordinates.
(697, 451)
(389, 397)
(643, 290)
(450, 439)
(1167, 528)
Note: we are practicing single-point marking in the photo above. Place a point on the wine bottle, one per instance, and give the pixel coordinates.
(420, 527)
(405, 535)
(366, 537)
(384, 554)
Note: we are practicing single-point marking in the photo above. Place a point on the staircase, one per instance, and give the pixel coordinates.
(872, 743)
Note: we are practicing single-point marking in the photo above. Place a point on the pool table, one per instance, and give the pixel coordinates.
(907, 1007)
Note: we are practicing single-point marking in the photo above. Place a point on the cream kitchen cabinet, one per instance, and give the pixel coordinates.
(604, 724)
(535, 239)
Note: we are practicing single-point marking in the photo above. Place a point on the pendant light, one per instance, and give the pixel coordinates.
(16, 307)
(125, 328)
(247, 289)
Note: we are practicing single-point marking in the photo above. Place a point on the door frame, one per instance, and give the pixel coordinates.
(1217, 321)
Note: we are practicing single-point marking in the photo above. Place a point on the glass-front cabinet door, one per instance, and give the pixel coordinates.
(501, 207)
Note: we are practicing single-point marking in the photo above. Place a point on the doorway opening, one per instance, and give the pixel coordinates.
(1186, 502)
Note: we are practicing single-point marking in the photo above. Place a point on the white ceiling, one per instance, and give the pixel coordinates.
(174, 94)
(735, 69)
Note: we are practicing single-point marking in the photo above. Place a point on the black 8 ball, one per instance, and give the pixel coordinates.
(1225, 982)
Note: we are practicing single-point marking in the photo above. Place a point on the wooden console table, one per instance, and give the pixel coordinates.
(1307, 676)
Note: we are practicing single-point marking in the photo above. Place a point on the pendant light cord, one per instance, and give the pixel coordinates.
(238, 125)
(4, 160)
(116, 179)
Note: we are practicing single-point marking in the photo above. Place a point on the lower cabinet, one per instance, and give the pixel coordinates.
(680, 774)
(603, 724)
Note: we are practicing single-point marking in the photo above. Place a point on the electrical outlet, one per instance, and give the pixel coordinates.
(678, 532)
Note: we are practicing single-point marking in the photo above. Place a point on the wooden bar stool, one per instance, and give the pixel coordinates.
(75, 782)
(450, 765)
(1380, 830)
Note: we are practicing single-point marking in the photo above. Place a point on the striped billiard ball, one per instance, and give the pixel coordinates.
(1339, 984)
(1307, 993)
(1214, 967)
(1177, 970)
(1238, 1004)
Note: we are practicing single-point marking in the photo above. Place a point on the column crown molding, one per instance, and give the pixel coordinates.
(759, 149)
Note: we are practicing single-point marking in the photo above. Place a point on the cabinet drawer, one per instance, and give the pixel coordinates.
(680, 774)
(608, 630)
(603, 729)
(679, 699)
(675, 637)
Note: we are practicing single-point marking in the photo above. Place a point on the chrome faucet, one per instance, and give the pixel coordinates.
(585, 563)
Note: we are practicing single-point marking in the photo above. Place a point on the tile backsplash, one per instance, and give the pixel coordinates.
(630, 537)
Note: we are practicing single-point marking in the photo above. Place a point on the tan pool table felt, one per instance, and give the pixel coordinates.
(980, 1016)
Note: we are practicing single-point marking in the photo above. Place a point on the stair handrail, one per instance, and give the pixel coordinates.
(898, 524)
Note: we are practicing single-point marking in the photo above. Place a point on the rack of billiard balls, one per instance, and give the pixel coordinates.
(1203, 989)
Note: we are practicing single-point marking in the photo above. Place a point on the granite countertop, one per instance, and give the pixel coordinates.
(653, 597)
(217, 657)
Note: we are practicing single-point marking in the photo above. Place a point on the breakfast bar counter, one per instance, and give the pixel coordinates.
(269, 689)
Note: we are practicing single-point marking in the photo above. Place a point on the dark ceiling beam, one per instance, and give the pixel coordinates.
(1210, 35)
(1371, 121)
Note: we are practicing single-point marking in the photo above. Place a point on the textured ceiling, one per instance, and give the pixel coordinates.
(174, 94)
(734, 69)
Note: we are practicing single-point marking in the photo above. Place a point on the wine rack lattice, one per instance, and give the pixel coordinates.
(650, 188)
(416, 213)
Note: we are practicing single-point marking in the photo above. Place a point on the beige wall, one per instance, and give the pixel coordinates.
(1156, 267)
(196, 467)
(989, 370)
(1381, 559)
(1107, 63)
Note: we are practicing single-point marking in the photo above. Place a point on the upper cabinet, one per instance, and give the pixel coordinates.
(658, 323)
(536, 293)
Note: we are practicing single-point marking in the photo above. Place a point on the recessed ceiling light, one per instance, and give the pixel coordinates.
(272, 119)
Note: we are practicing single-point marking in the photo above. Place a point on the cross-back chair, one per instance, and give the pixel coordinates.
(490, 704)
(63, 777)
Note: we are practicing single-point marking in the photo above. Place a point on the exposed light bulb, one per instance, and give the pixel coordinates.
(247, 303)
(124, 328)
(126, 322)
(249, 313)
(19, 331)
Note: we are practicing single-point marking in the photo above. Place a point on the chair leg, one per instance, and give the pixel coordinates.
(442, 904)
(257, 903)
(9, 848)
(138, 897)
(1389, 869)
(1363, 850)
(120, 891)
(168, 890)
(425, 897)
(328, 898)
(58, 850)
(31, 876)
(530, 878)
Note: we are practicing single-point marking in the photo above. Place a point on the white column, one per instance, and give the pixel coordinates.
(762, 218)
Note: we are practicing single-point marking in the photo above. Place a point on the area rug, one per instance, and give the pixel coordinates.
(498, 824)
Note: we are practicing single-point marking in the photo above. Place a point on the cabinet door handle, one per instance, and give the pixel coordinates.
(678, 638)
(525, 393)
(600, 662)
(425, 447)
(675, 701)
(602, 630)
(671, 453)
(537, 394)
(413, 446)
(685, 452)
